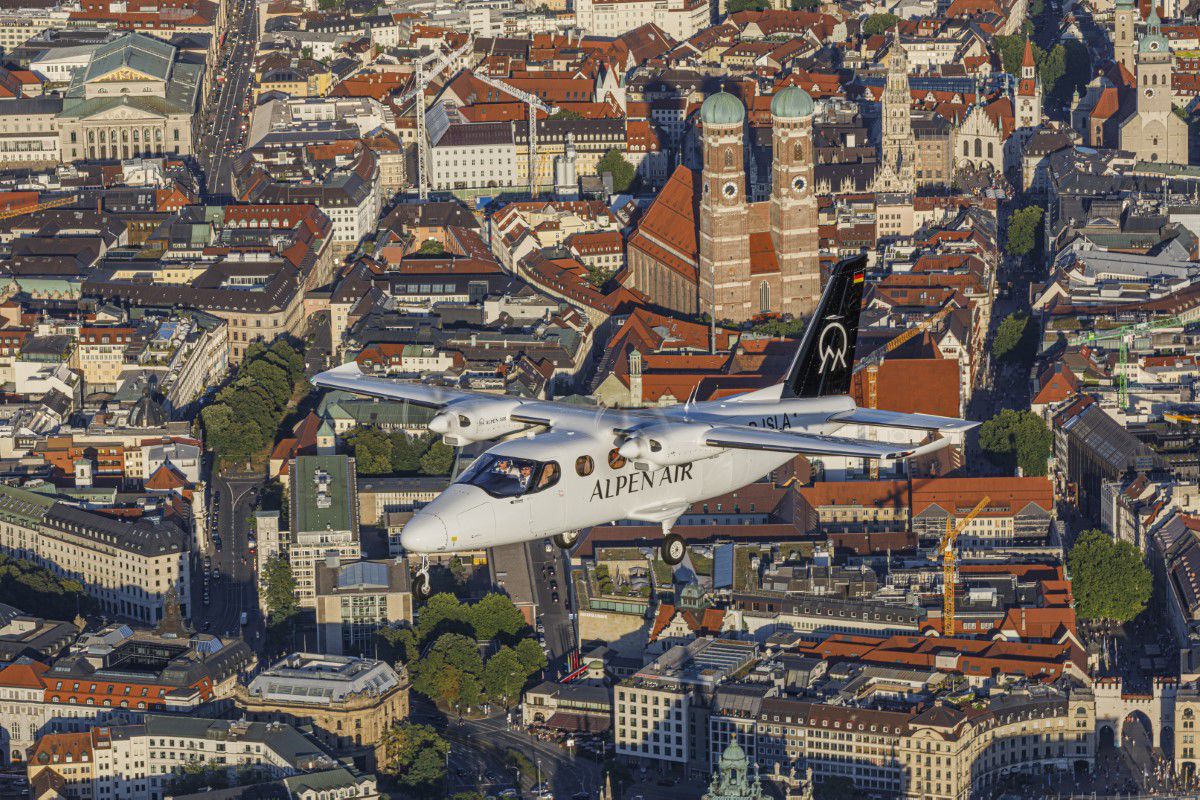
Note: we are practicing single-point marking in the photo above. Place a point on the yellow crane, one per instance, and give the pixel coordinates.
(949, 569)
(872, 361)
(57, 202)
(1192, 418)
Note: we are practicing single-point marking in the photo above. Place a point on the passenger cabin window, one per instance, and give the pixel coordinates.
(505, 476)
(615, 459)
(584, 466)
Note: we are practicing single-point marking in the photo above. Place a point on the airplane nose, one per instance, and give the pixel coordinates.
(424, 533)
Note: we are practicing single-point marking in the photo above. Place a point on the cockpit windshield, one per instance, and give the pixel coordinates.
(505, 476)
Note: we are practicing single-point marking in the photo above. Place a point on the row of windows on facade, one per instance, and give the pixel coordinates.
(139, 134)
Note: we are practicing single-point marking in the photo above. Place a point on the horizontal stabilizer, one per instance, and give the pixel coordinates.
(741, 437)
(898, 419)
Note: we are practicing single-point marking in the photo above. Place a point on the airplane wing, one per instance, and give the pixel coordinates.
(350, 378)
(741, 437)
(896, 419)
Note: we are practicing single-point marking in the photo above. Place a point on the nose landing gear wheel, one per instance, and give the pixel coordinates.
(566, 541)
(673, 549)
(422, 588)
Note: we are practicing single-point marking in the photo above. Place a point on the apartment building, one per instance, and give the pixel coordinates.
(128, 568)
(934, 751)
(139, 761)
(348, 702)
(324, 519)
(661, 713)
(355, 600)
(111, 677)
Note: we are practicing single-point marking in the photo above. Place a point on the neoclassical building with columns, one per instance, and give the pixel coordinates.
(134, 98)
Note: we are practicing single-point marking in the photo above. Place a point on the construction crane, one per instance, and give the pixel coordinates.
(949, 568)
(872, 361)
(534, 104)
(20, 211)
(1194, 419)
(423, 74)
(1123, 334)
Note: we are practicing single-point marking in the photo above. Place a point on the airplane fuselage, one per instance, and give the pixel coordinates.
(593, 484)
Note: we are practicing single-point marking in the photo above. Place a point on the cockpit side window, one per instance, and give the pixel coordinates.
(505, 476)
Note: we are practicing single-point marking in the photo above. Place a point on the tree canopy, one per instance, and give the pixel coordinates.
(1017, 439)
(1109, 579)
(246, 413)
(431, 247)
(622, 171)
(379, 453)
(1024, 231)
(415, 755)
(879, 23)
(280, 588)
(37, 590)
(452, 672)
(735, 6)
(1013, 337)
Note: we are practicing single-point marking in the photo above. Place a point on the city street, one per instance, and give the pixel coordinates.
(234, 590)
(549, 574)
(479, 746)
(221, 137)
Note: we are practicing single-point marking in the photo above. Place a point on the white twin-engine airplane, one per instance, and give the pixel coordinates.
(578, 467)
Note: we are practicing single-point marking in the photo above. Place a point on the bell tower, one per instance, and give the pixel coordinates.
(1124, 35)
(724, 218)
(793, 207)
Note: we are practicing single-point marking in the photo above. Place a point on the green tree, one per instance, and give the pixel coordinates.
(1012, 51)
(36, 590)
(496, 616)
(786, 328)
(406, 454)
(443, 613)
(372, 450)
(448, 668)
(397, 644)
(438, 459)
(431, 247)
(415, 755)
(280, 588)
(1017, 439)
(879, 23)
(736, 6)
(198, 776)
(622, 171)
(566, 113)
(1012, 337)
(805, 5)
(271, 377)
(1109, 579)
(504, 677)
(1024, 231)
(531, 655)
(292, 358)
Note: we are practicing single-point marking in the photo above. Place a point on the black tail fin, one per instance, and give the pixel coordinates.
(826, 358)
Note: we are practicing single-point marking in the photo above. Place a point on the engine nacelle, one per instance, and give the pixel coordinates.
(664, 446)
(472, 421)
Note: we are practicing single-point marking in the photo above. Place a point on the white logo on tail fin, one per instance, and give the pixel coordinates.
(832, 346)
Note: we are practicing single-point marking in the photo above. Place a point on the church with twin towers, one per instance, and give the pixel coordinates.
(704, 248)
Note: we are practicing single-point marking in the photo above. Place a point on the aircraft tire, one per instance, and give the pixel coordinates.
(565, 541)
(421, 587)
(673, 549)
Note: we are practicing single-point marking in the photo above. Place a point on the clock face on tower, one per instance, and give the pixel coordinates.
(799, 184)
(729, 189)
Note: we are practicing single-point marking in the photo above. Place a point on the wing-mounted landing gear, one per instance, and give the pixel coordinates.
(422, 588)
(673, 547)
(566, 540)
